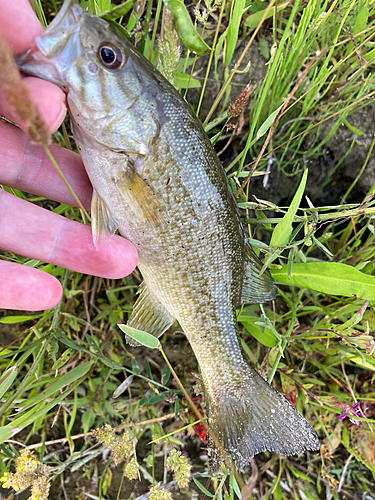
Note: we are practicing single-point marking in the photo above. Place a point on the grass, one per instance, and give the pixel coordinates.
(60, 378)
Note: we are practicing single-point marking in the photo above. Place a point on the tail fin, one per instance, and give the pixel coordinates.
(249, 417)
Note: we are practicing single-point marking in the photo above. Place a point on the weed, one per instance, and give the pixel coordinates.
(67, 372)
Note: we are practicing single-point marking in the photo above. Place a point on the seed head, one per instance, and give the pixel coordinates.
(236, 109)
(159, 494)
(131, 469)
(104, 434)
(19, 100)
(122, 448)
(169, 49)
(181, 468)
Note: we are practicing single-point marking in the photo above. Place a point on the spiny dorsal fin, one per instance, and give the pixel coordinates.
(102, 221)
(141, 198)
(256, 288)
(149, 315)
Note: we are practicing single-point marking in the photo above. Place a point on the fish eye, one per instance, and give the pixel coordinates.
(110, 56)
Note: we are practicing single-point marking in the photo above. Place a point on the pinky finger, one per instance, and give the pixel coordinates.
(26, 288)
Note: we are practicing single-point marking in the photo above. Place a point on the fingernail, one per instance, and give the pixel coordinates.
(59, 119)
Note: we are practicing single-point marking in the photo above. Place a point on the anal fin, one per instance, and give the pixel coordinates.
(256, 288)
(149, 315)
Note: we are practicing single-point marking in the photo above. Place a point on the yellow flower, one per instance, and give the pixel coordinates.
(5, 480)
(26, 462)
(8, 481)
(29, 473)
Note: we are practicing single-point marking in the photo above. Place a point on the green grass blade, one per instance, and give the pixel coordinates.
(202, 488)
(267, 123)
(284, 228)
(12, 320)
(31, 416)
(66, 379)
(7, 379)
(233, 27)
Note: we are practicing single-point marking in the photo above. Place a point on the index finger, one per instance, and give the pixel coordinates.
(26, 167)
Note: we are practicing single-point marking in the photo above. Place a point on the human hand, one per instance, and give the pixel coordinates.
(27, 229)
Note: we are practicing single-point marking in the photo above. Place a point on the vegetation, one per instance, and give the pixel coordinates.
(75, 399)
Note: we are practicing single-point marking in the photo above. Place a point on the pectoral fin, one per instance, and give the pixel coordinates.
(141, 198)
(256, 288)
(149, 315)
(102, 221)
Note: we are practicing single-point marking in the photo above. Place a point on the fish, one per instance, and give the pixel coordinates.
(158, 181)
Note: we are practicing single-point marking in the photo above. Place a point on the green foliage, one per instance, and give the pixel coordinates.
(185, 29)
(259, 331)
(237, 8)
(70, 370)
(283, 230)
(142, 338)
(330, 278)
(253, 20)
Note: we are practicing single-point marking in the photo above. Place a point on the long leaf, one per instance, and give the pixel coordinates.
(268, 122)
(284, 228)
(66, 379)
(10, 320)
(202, 488)
(253, 20)
(233, 27)
(7, 379)
(143, 338)
(331, 278)
(265, 336)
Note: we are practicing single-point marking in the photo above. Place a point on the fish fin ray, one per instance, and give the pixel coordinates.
(256, 287)
(149, 315)
(251, 417)
(103, 223)
(140, 197)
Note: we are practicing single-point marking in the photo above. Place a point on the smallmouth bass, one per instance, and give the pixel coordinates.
(158, 181)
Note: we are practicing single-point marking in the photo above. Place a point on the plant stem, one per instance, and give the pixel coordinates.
(215, 440)
(285, 337)
(54, 163)
(233, 72)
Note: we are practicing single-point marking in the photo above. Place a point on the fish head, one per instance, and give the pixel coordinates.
(104, 77)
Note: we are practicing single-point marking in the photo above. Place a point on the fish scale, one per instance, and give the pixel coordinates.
(157, 179)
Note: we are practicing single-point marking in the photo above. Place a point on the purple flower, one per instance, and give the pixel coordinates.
(346, 410)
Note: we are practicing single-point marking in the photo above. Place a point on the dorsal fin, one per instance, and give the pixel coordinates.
(256, 288)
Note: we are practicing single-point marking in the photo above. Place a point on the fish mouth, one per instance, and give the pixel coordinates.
(57, 46)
